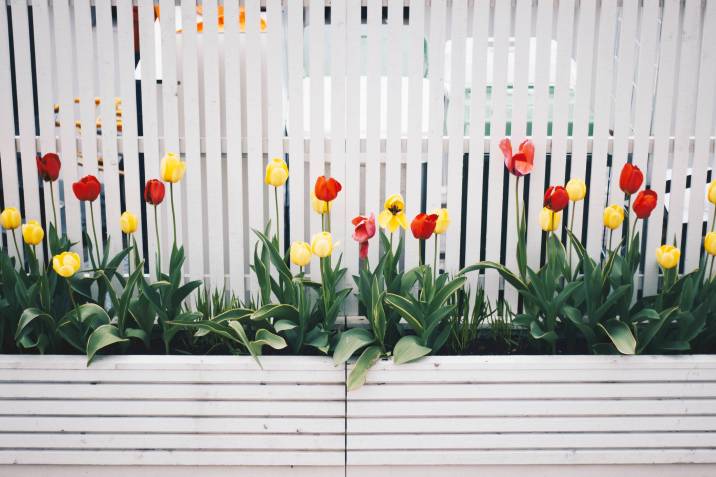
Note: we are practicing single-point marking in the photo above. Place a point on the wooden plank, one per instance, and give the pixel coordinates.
(25, 112)
(456, 132)
(169, 470)
(133, 190)
(436, 85)
(373, 197)
(543, 56)
(703, 125)
(663, 116)
(413, 168)
(296, 132)
(110, 159)
(599, 178)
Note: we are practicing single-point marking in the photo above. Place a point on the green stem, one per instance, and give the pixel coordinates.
(174, 217)
(72, 298)
(517, 202)
(628, 216)
(711, 268)
(435, 256)
(94, 234)
(156, 230)
(571, 230)
(275, 197)
(54, 210)
(713, 220)
(17, 249)
(421, 253)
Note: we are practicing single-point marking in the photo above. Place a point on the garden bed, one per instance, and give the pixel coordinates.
(222, 415)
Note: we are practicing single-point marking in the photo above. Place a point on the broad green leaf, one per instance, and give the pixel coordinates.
(33, 316)
(102, 337)
(281, 311)
(284, 325)
(620, 334)
(539, 334)
(351, 341)
(407, 310)
(241, 333)
(356, 378)
(233, 314)
(265, 337)
(408, 349)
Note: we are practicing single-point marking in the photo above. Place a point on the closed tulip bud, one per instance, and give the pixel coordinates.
(276, 172)
(32, 232)
(172, 168)
(712, 192)
(556, 198)
(300, 253)
(667, 256)
(48, 166)
(87, 188)
(320, 206)
(577, 189)
(66, 264)
(393, 216)
(327, 188)
(644, 203)
(10, 218)
(549, 220)
(322, 244)
(423, 225)
(154, 192)
(710, 243)
(128, 222)
(443, 222)
(630, 179)
(613, 216)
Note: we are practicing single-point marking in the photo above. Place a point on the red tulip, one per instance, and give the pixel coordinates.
(423, 225)
(630, 179)
(556, 198)
(645, 203)
(327, 188)
(364, 230)
(154, 192)
(522, 162)
(87, 188)
(49, 166)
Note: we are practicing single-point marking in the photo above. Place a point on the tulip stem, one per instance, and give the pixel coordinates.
(156, 230)
(72, 299)
(517, 202)
(94, 233)
(571, 226)
(275, 196)
(713, 220)
(17, 249)
(174, 217)
(54, 210)
(435, 256)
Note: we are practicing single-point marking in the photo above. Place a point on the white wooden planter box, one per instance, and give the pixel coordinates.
(474, 415)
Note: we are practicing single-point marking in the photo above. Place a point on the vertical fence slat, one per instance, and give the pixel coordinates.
(373, 98)
(661, 129)
(393, 98)
(562, 88)
(234, 158)
(42, 34)
(498, 122)
(212, 127)
(543, 56)
(296, 131)
(582, 103)
(353, 101)
(704, 121)
(436, 77)
(318, 129)
(413, 168)
(684, 119)
(150, 126)
(25, 111)
(600, 141)
(65, 80)
(456, 131)
(127, 91)
(84, 51)
(474, 232)
(8, 154)
(274, 95)
(110, 161)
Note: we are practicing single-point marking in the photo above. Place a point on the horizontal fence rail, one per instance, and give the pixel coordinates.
(384, 95)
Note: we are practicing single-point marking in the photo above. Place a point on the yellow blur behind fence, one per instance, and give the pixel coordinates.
(409, 96)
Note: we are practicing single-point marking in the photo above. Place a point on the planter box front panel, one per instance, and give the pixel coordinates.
(173, 410)
(538, 411)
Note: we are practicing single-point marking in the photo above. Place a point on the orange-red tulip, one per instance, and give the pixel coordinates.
(645, 203)
(423, 225)
(327, 188)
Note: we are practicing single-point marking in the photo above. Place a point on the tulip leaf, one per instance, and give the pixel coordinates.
(233, 314)
(406, 309)
(33, 316)
(351, 341)
(407, 349)
(284, 325)
(281, 311)
(265, 337)
(356, 378)
(621, 336)
(102, 337)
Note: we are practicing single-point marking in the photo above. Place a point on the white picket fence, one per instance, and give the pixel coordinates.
(387, 96)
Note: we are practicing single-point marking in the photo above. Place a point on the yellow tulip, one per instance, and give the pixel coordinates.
(10, 218)
(577, 189)
(712, 192)
(394, 214)
(443, 221)
(172, 168)
(320, 206)
(300, 253)
(66, 264)
(322, 244)
(276, 172)
(549, 220)
(128, 222)
(613, 216)
(32, 232)
(668, 256)
(710, 243)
